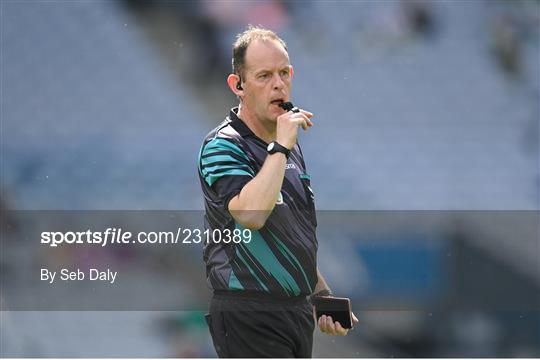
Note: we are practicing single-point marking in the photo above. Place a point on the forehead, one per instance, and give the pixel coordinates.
(266, 54)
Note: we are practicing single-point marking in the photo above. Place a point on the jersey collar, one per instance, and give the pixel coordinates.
(239, 125)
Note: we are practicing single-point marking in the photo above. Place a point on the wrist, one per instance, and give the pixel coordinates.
(278, 155)
(323, 292)
(285, 143)
(276, 147)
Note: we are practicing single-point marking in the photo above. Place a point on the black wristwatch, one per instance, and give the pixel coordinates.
(275, 147)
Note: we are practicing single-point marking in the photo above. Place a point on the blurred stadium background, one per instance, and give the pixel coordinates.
(419, 105)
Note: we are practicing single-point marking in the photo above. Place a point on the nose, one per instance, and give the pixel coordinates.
(278, 82)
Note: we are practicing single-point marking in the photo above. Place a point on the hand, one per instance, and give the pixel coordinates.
(330, 327)
(287, 126)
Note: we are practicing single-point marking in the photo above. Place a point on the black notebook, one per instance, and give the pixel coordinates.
(338, 308)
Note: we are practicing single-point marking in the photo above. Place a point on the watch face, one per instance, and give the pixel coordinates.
(270, 146)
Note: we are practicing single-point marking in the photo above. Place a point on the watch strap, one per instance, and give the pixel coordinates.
(279, 148)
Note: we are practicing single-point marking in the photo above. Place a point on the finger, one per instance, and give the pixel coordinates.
(306, 122)
(339, 329)
(330, 325)
(322, 324)
(355, 319)
(301, 120)
(304, 125)
(307, 113)
(327, 325)
(299, 116)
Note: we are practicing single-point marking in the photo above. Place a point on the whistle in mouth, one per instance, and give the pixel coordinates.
(288, 106)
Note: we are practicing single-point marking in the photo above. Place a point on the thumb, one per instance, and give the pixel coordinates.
(355, 319)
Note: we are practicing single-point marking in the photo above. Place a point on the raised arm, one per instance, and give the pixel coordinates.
(252, 206)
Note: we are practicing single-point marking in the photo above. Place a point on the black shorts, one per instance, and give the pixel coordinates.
(260, 327)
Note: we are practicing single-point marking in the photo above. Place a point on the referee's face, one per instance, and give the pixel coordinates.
(267, 79)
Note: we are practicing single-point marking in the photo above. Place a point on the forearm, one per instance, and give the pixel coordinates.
(252, 206)
(321, 283)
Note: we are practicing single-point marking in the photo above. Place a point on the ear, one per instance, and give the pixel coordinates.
(233, 80)
(292, 71)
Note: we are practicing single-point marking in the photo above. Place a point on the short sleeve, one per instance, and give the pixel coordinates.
(225, 167)
(228, 187)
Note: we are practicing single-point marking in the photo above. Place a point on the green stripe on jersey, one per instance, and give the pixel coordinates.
(212, 178)
(292, 259)
(209, 169)
(219, 158)
(251, 270)
(218, 144)
(264, 255)
(234, 283)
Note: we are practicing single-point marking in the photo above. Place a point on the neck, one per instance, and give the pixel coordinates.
(263, 129)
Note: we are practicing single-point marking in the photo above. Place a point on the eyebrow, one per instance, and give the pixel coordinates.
(261, 71)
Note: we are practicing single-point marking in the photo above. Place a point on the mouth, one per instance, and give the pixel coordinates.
(277, 101)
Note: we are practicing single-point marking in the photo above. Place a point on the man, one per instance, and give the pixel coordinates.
(254, 178)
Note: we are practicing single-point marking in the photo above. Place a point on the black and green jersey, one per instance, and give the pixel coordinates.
(281, 257)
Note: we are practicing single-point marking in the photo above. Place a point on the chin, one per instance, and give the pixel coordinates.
(273, 117)
(274, 113)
